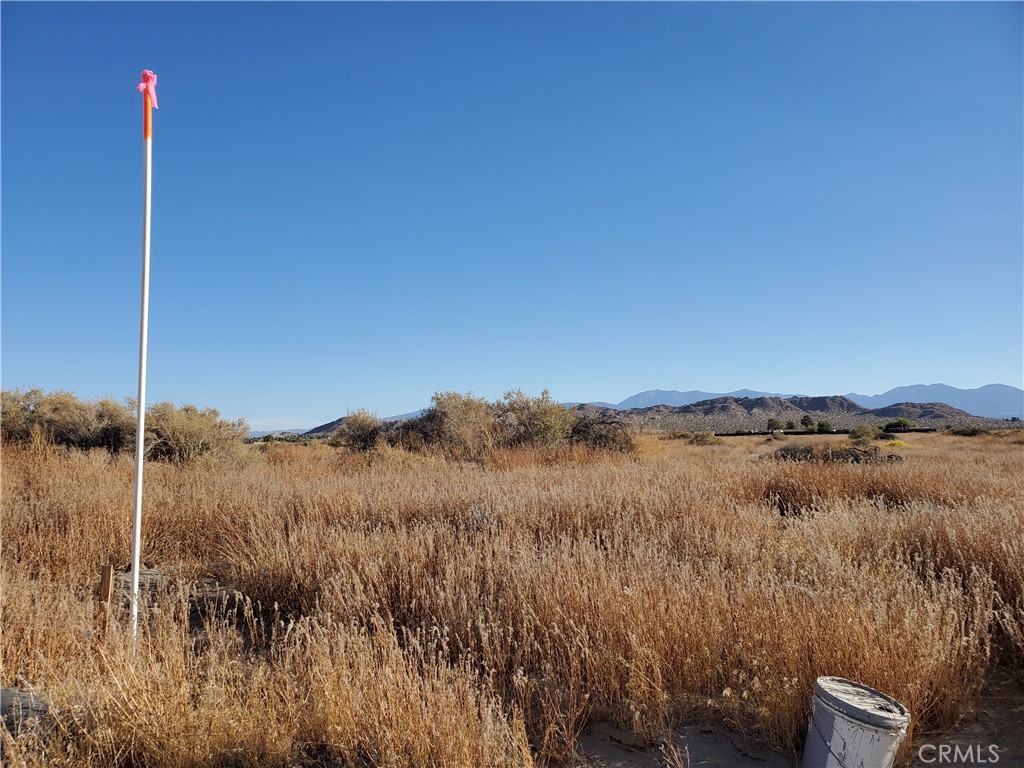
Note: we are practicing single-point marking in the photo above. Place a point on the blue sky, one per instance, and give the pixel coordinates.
(359, 204)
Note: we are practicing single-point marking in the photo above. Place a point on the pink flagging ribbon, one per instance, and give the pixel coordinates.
(148, 85)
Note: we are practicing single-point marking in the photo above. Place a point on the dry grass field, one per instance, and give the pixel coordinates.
(403, 609)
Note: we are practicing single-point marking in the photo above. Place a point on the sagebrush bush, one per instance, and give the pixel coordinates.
(60, 418)
(602, 432)
(172, 434)
(706, 438)
(184, 434)
(463, 426)
(358, 431)
(833, 453)
(533, 420)
(864, 433)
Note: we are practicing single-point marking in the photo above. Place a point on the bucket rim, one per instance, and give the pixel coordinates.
(862, 703)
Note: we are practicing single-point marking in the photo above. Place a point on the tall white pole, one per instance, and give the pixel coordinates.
(148, 87)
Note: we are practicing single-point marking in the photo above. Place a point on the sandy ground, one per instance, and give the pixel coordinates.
(696, 746)
(999, 724)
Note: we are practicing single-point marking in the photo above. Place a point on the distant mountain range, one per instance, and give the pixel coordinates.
(926, 403)
(993, 401)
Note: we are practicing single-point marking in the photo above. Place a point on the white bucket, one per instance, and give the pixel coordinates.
(853, 726)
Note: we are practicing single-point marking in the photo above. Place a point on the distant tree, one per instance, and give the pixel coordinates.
(824, 426)
(790, 424)
(774, 425)
(807, 423)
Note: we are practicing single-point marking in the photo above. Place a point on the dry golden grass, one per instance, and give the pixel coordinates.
(400, 609)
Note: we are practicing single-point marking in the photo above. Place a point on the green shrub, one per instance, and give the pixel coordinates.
(807, 423)
(862, 434)
(358, 431)
(774, 425)
(706, 438)
(824, 426)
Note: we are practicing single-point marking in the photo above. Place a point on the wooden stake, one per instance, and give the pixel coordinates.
(106, 592)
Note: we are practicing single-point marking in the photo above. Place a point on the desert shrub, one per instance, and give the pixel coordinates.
(56, 417)
(358, 431)
(862, 434)
(850, 454)
(66, 420)
(533, 420)
(16, 413)
(862, 431)
(184, 434)
(969, 431)
(115, 426)
(597, 432)
(774, 425)
(60, 418)
(706, 438)
(461, 426)
(790, 424)
(898, 424)
(680, 434)
(807, 423)
(824, 426)
(471, 428)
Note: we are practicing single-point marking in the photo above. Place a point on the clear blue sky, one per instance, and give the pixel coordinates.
(356, 205)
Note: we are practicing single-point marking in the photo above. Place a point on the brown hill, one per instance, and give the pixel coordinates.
(921, 412)
(740, 414)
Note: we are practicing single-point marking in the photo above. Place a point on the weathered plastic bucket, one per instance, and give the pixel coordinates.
(853, 726)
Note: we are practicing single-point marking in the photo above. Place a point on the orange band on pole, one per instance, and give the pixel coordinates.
(148, 88)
